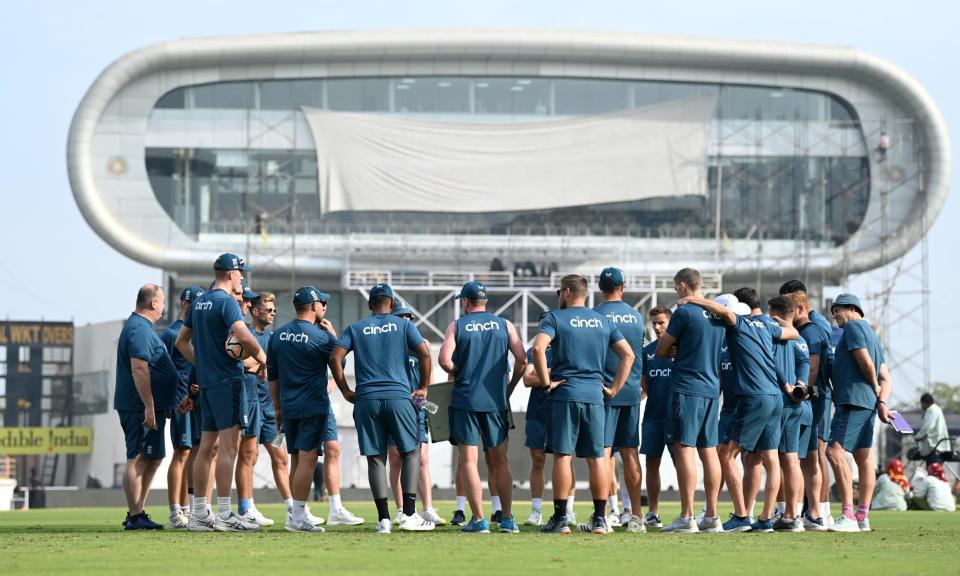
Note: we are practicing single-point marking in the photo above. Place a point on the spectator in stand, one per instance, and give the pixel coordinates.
(892, 488)
(931, 491)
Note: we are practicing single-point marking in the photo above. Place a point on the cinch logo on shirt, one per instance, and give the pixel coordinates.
(659, 373)
(374, 330)
(726, 366)
(622, 318)
(200, 306)
(586, 322)
(710, 315)
(758, 324)
(297, 338)
(482, 326)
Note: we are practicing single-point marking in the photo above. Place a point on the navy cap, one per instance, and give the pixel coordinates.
(307, 295)
(402, 309)
(323, 297)
(610, 278)
(473, 290)
(228, 261)
(380, 290)
(249, 294)
(192, 293)
(847, 300)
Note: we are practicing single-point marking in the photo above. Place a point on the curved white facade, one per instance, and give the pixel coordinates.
(109, 136)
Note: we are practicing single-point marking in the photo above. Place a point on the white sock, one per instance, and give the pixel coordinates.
(614, 504)
(570, 501)
(299, 509)
(187, 509)
(799, 508)
(200, 503)
(781, 507)
(334, 504)
(625, 498)
(824, 509)
(174, 509)
(537, 504)
(223, 506)
(495, 503)
(288, 502)
(461, 503)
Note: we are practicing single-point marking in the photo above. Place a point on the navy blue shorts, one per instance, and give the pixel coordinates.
(224, 406)
(757, 425)
(536, 433)
(140, 440)
(330, 434)
(576, 428)
(821, 415)
(621, 428)
(655, 437)
(424, 433)
(790, 427)
(305, 434)
(852, 427)
(725, 425)
(806, 433)
(254, 420)
(486, 429)
(196, 423)
(695, 420)
(376, 420)
(268, 427)
(181, 431)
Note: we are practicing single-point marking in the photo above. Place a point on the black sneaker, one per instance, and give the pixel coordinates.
(125, 520)
(600, 525)
(556, 526)
(458, 519)
(496, 517)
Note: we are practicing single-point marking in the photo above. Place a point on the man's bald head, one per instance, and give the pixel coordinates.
(148, 294)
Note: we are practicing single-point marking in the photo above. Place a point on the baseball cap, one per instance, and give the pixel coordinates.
(610, 278)
(228, 261)
(401, 309)
(727, 300)
(191, 293)
(847, 300)
(473, 290)
(323, 297)
(249, 294)
(381, 290)
(741, 309)
(307, 295)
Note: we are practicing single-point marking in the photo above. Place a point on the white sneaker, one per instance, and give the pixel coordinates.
(683, 526)
(829, 521)
(572, 519)
(864, 525)
(431, 515)
(415, 523)
(258, 517)
(613, 521)
(698, 518)
(198, 524)
(709, 524)
(845, 524)
(234, 523)
(625, 518)
(397, 517)
(535, 518)
(384, 526)
(635, 525)
(344, 517)
(178, 521)
(315, 520)
(811, 526)
(303, 525)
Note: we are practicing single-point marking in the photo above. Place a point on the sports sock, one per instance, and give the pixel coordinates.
(383, 509)
(200, 507)
(781, 507)
(461, 503)
(614, 504)
(377, 475)
(625, 499)
(223, 506)
(824, 509)
(848, 511)
(599, 508)
(537, 504)
(409, 504)
(244, 505)
(334, 504)
(192, 499)
(186, 509)
(863, 512)
(299, 510)
(570, 501)
(559, 509)
(288, 502)
(409, 472)
(495, 503)
(174, 508)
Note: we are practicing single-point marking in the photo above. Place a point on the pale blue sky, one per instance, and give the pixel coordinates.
(54, 266)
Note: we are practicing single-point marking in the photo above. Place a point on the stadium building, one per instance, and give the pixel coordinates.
(428, 157)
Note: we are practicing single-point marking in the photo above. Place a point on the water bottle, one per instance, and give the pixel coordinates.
(426, 405)
(278, 441)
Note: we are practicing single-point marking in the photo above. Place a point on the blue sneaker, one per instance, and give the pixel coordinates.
(480, 526)
(142, 522)
(459, 519)
(556, 526)
(762, 525)
(737, 524)
(508, 525)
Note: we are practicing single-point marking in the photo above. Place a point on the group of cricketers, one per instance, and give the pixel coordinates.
(229, 385)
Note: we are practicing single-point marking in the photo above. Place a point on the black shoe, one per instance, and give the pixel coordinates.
(125, 520)
(458, 519)
(497, 516)
(556, 525)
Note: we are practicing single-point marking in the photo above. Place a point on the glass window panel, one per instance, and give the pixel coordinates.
(359, 95)
(173, 99)
(3, 368)
(24, 354)
(590, 96)
(224, 95)
(431, 95)
(512, 96)
(3, 386)
(291, 94)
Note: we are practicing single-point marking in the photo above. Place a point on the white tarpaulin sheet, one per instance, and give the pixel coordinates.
(380, 162)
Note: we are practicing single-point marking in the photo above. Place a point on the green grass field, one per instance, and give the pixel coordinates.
(91, 541)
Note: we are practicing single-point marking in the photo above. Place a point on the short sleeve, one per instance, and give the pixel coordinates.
(327, 344)
(855, 336)
(530, 356)
(346, 339)
(273, 367)
(678, 322)
(168, 339)
(802, 354)
(548, 325)
(139, 344)
(615, 334)
(231, 312)
(414, 338)
(775, 330)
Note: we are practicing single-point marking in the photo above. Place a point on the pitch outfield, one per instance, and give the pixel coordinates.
(91, 541)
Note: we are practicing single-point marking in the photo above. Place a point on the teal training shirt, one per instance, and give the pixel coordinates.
(630, 324)
(699, 336)
(850, 387)
(581, 341)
